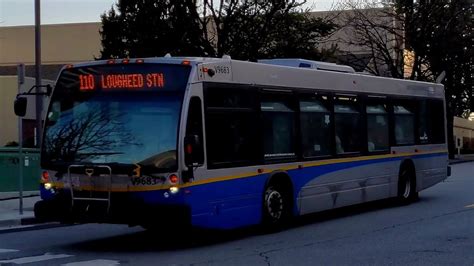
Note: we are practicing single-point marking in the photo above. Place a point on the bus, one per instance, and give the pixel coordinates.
(222, 143)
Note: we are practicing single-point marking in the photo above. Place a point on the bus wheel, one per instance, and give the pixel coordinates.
(276, 208)
(407, 186)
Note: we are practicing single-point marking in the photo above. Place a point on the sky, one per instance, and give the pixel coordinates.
(21, 12)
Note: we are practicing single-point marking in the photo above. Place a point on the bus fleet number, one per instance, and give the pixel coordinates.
(146, 180)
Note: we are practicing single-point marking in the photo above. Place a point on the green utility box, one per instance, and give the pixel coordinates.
(10, 169)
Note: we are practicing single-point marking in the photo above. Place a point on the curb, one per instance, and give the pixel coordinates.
(22, 228)
(26, 224)
(460, 161)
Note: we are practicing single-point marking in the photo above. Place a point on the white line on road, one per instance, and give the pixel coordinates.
(31, 259)
(93, 263)
(469, 206)
(4, 250)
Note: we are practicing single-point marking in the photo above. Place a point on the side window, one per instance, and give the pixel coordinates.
(278, 126)
(404, 124)
(194, 124)
(438, 118)
(315, 119)
(425, 134)
(347, 120)
(377, 127)
(231, 122)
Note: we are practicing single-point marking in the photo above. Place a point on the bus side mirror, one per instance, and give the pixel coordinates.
(193, 151)
(20, 106)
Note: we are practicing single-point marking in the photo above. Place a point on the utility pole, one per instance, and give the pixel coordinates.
(38, 98)
(21, 80)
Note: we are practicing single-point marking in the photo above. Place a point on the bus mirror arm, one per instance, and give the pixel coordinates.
(48, 87)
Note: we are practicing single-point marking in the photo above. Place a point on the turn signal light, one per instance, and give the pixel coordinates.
(186, 62)
(173, 179)
(139, 61)
(45, 177)
(111, 61)
(125, 61)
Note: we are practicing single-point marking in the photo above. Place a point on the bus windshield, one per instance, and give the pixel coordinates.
(108, 115)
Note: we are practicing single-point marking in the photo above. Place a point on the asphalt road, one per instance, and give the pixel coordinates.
(436, 230)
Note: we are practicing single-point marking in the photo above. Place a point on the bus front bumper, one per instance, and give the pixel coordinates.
(122, 210)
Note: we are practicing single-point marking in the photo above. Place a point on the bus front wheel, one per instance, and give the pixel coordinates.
(407, 186)
(276, 207)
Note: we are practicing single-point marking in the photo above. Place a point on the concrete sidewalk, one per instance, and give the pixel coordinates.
(10, 215)
(462, 159)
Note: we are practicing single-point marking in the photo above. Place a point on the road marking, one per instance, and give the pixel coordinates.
(31, 259)
(4, 250)
(94, 263)
(469, 206)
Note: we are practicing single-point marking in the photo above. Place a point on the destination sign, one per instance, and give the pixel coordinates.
(125, 77)
(122, 81)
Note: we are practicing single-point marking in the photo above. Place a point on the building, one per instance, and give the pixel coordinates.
(72, 43)
(464, 129)
(61, 44)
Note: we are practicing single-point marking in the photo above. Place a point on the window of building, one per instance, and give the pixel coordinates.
(278, 127)
(377, 127)
(347, 121)
(404, 125)
(315, 120)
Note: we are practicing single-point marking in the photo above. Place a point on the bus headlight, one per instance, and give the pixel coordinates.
(174, 190)
(48, 186)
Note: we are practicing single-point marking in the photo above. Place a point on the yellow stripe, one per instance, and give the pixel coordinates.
(310, 164)
(251, 174)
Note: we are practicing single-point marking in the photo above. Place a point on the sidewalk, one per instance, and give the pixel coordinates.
(464, 158)
(10, 216)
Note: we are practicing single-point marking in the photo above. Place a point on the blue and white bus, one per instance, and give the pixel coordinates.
(222, 143)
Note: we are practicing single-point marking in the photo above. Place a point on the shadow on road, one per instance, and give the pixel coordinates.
(176, 239)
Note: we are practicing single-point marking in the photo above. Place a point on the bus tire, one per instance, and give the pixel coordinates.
(276, 207)
(407, 185)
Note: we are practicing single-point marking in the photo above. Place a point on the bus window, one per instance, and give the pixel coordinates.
(377, 128)
(232, 138)
(425, 123)
(404, 125)
(315, 120)
(436, 108)
(278, 127)
(194, 125)
(347, 120)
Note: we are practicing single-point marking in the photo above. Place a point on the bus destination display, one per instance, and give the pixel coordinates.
(121, 81)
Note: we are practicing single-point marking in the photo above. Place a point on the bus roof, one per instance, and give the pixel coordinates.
(291, 73)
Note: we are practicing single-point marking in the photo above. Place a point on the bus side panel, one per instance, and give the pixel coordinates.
(342, 184)
(227, 204)
(430, 170)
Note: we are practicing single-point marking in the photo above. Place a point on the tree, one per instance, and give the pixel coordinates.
(147, 28)
(436, 34)
(244, 29)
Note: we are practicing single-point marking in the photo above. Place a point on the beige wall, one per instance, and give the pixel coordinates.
(61, 43)
(464, 129)
(8, 127)
(8, 119)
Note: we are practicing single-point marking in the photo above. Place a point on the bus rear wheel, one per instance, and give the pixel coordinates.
(276, 208)
(407, 186)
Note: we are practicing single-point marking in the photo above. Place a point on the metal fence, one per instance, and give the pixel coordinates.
(10, 169)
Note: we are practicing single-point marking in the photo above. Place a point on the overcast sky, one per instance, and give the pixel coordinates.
(21, 12)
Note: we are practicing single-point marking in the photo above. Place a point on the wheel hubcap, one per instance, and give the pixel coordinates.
(274, 204)
(406, 194)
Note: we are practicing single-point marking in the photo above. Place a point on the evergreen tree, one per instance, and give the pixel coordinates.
(244, 29)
